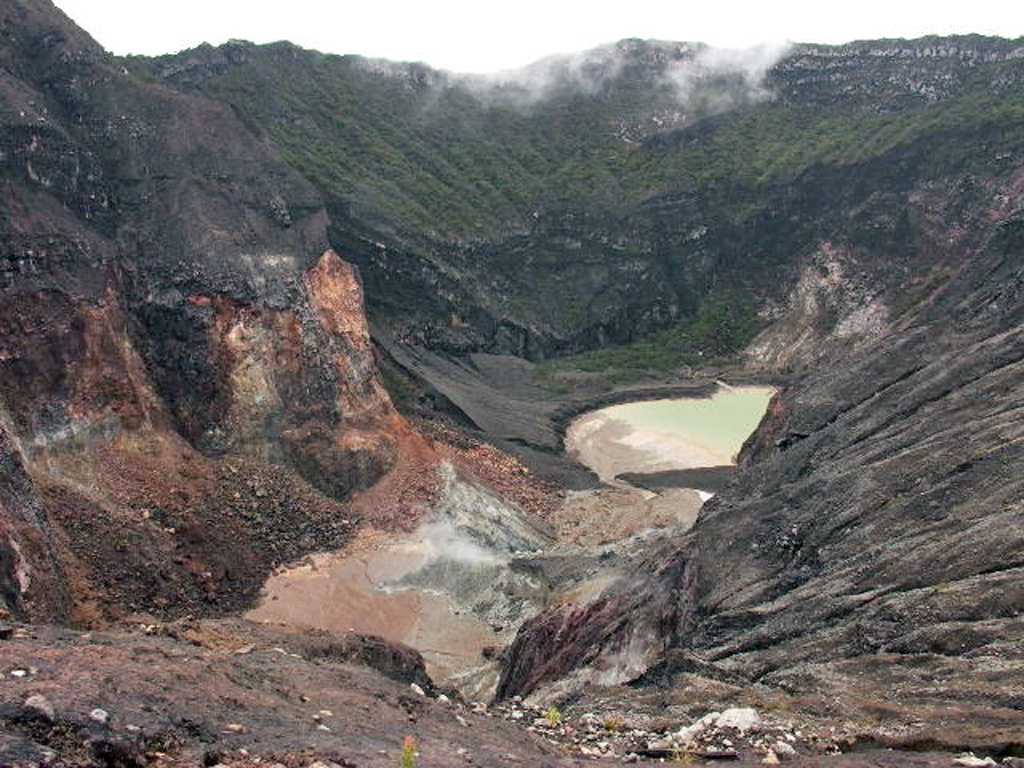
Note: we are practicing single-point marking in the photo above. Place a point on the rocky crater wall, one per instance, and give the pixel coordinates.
(188, 387)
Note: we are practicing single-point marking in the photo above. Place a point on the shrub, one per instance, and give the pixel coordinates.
(408, 759)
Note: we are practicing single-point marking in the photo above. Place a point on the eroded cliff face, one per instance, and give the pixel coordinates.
(836, 304)
(187, 385)
(851, 292)
(871, 544)
(636, 183)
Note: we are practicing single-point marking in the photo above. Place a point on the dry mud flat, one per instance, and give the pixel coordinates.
(362, 592)
(453, 588)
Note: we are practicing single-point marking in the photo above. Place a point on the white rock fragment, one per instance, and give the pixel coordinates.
(742, 720)
(784, 750)
(971, 761)
(100, 716)
(417, 689)
(739, 719)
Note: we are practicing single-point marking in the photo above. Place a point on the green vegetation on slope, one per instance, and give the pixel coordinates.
(423, 153)
(721, 328)
(422, 156)
(778, 140)
(475, 179)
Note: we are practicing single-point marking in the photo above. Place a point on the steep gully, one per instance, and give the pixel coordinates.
(462, 583)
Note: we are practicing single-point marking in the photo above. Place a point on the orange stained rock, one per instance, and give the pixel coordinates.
(337, 297)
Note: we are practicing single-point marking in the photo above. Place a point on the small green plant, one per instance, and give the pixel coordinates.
(614, 724)
(408, 759)
(681, 757)
(553, 716)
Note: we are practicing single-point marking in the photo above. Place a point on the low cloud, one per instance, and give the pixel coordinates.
(714, 79)
(726, 77)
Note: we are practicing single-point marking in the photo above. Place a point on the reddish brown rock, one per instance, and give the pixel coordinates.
(187, 386)
(297, 697)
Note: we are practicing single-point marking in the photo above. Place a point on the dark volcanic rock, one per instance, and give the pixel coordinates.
(189, 395)
(25, 538)
(710, 479)
(871, 544)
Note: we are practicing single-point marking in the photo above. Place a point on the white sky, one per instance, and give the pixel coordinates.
(478, 36)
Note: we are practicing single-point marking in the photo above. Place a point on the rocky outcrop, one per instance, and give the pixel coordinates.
(228, 692)
(30, 575)
(836, 304)
(894, 75)
(187, 380)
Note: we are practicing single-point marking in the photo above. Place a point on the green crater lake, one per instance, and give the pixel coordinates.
(659, 435)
